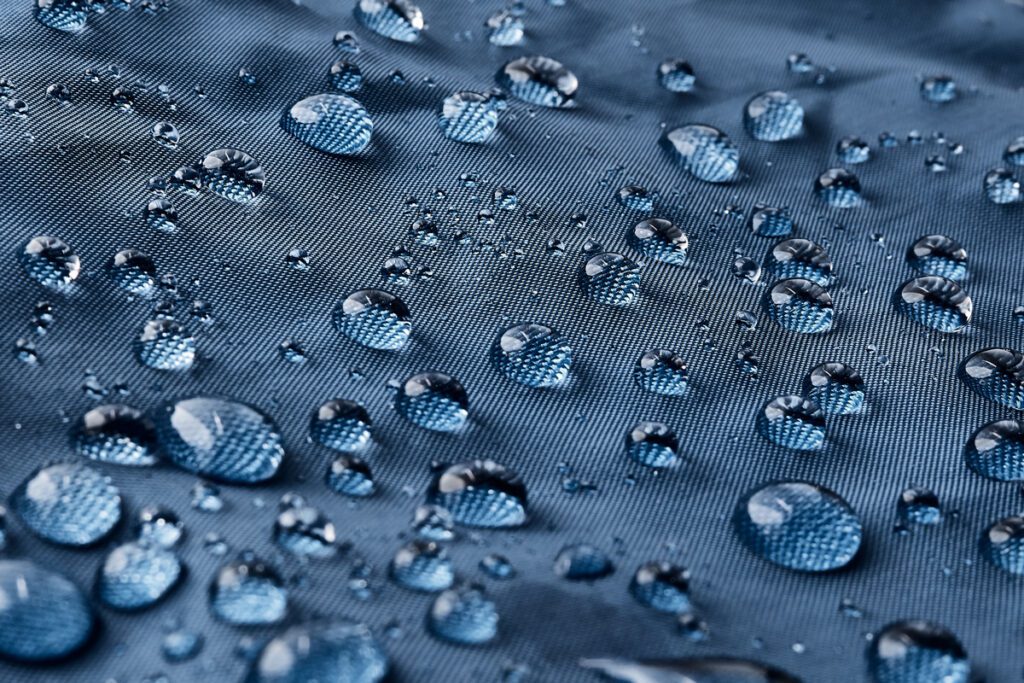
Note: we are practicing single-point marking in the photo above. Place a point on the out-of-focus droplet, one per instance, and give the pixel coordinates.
(135, 576)
(248, 593)
(50, 262)
(652, 444)
(395, 19)
(917, 652)
(839, 188)
(69, 504)
(335, 650)
(463, 615)
(43, 616)
(675, 75)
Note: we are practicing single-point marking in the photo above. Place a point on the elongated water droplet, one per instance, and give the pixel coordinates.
(323, 651)
(697, 670)
(116, 434)
(63, 15)
(232, 174)
(582, 562)
(662, 586)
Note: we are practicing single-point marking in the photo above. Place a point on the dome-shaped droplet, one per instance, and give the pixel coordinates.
(480, 493)
(800, 258)
(331, 123)
(1002, 544)
(50, 262)
(939, 89)
(1001, 187)
(659, 239)
(117, 434)
(160, 215)
(165, 345)
(248, 593)
(43, 616)
(433, 522)
(696, 670)
(497, 567)
(68, 504)
(63, 15)
(675, 75)
(395, 19)
(422, 566)
(582, 562)
(938, 255)
(996, 374)
(635, 198)
(917, 652)
(342, 425)
(463, 615)
(652, 444)
(374, 318)
(839, 188)
(773, 116)
(433, 400)
(918, 505)
(935, 302)
(800, 305)
(532, 354)
(770, 221)
(135, 576)
(837, 388)
(345, 76)
(1014, 153)
(468, 116)
(662, 586)
(798, 525)
(504, 29)
(853, 150)
(661, 371)
(350, 476)
(133, 272)
(792, 422)
(539, 80)
(158, 526)
(322, 651)
(996, 451)
(232, 174)
(220, 439)
(611, 279)
(704, 151)
(166, 134)
(304, 531)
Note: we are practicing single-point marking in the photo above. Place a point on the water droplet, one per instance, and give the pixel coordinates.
(248, 593)
(532, 354)
(661, 371)
(652, 444)
(919, 506)
(206, 497)
(702, 670)
(468, 116)
(935, 163)
(539, 80)
(1001, 187)
(773, 116)
(1002, 544)
(116, 434)
(504, 29)
(1014, 154)
(433, 400)
(611, 279)
(161, 215)
(746, 268)
(346, 41)
(853, 150)
(434, 523)
(662, 586)
(135, 576)
(342, 425)
(43, 616)
(166, 134)
(463, 615)
(331, 123)
(935, 302)
(374, 318)
(996, 451)
(659, 239)
(345, 76)
(917, 652)
(304, 531)
(770, 221)
(68, 504)
(395, 19)
(480, 493)
(50, 262)
(497, 567)
(165, 345)
(232, 174)
(704, 151)
(133, 272)
(839, 188)
(635, 198)
(938, 89)
(220, 439)
(675, 75)
(181, 646)
(799, 63)
(938, 255)
(800, 305)
(63, 15)
(792, 422)
(422, 566)
(336, 650)
(800, 258)
(798, 525)
(582, 562)
(836, 388)
(351, 476)
(160, 527)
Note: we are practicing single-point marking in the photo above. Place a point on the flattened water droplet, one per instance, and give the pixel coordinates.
(135, 576)
(248, 593)
(662, 586)
(50, 262)
(697, 670)
(1002, 544)
(661, 371)
(345, 76)
(773, 116)
(1001, 187)
(165, 345)
(853, 150)
(116, 434)
(935, 302)
(331, 123)
(652, 444)
(800, 258)
(395, 19)
(422, 566)
(181, 646)
(532, 354)
(374, 318)
(996, 451)
(837, 388)
(232, 174)
(798, 525)
(704, 151)
(582, 562)
(800, 305)
(351, 476)
(480, 493)
(463, 615)
(839, 188)
(792, 422)
(43, 616)
(220, 439)
(675, 75)
(468, 116)
(322, 651)
(63, 15)
(938, 255)
(539, 80)
(770, 221)
(497, 567)
(68, 504)
(346, 41)
(917, 652)
(611, 279)
(659, 239)
(433, 400)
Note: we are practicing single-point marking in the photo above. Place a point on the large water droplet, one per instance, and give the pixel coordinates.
(68, 504)
(232, 174)
(331, 123)
(917, 652)
(480, 493)
(837, 388)
(773, 116)
(611, 279)
(43, 616)
(50, 262)
(652, 444)
(248, 593)
(463, 615)
(792, 422)
(433, 400)
(662, 586)
(997, 374)
(1002, 544)
(539, 80)
(422, 566)
(395, 19)
(800, 305)
(374, 318)
(469, 116)
(63, 15)
(659, 239)
(839, 188)
(935, 302)
(135, 576)
(165, 345)
(342, 425)
(704, 151)
(702, 670)
(322, 651)
(798, 525)
(675, 75)
(116, 434)
(996, 451)
(661, 371)
(532, 354)
(938, 255)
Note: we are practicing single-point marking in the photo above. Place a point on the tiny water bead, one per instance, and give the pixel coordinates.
(652, 444)
(220, 439)
(1001, 187)
(659, 239)
(1014, 153)
(635, 198)
(839, 188)
(374, 318)
(248, 593)
(798, 525)
(800, 258)
(63, 15)
(792, 422)
(836, 388)
(661, 371)
(330, 123)
(43, 616)
(917, 652)
(1002, 544)
(696, 670)
(345, 76)
(351, 476)
(538, 80)
(165, 134)
(206, 497)
(504, 29)
(463, 615)
(165, 345)
(468, 116)
(662, 586)
(480, 493)
(342, 425)
(159, 527)
(996, 374)
(611, 279)
(582, 562)
(938, 255)
(160, 215)
(996, 451)
(704, 151)
(69, 504)
(334, 650)
(232, 174)
(117, 434)
(422, 565)
(938, 89)
(800, 305)
(770, 221)
(532, 354)
(498, 567)
(675, 75)
(181, 645)
(346, 41)
(395, 19)
(935, 302)
(434, 401)
(50, 262)
(773, 116)
(135, 576)
(133, 272)
(853, 150)
(919, 506)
